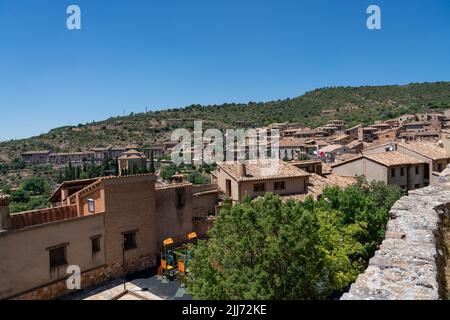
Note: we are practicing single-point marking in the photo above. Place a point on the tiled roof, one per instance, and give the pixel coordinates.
(331, 148)
(317, 183)
(285, 143)
(354, 144)
(161, 186)
(263, 170)
(36, 152)
(429, 150)
(393, 158)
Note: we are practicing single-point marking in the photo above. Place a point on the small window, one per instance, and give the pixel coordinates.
(392, 173)
(417, 170)
(180, 196)
(402, 171)
(416, 186)
(129, 241)
(91, 205)
(439, 167)
(259, 187)
(96, 247)
(58, 256)
(280, 185)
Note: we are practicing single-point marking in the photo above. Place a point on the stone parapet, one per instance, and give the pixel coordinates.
(409, 264)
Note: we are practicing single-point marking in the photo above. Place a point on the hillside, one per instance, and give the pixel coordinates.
(352, 104)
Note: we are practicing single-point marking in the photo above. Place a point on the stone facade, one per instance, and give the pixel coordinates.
(410, 262)
(93, 277)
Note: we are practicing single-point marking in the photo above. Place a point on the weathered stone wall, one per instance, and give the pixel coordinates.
(409, 264)
(93, 277)
(203, 224)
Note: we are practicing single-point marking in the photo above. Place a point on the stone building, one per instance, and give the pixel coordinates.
(132, 161)
(435, 157)
(389, 167)
(236, 181)
(94, 228)
(36, 157)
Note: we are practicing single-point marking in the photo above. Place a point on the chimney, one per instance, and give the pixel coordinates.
(242, 170)
(5, 216)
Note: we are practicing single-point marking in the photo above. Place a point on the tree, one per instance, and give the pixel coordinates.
(168, 171)
(263, 249)
(20, 196)
(270, 249)
(35, 185)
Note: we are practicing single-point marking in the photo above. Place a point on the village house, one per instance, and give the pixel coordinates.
(95, 226)
(253, 179)
(367, 134)
(435, 157)
(310, 166)
(388, 135)
(132, 162)
(355, 146)
(353, 132)
(36, 157)
(389, 167)
(330, 152)
(75, 158)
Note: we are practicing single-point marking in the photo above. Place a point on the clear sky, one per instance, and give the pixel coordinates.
(136, 54)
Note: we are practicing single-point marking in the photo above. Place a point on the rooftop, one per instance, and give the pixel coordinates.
(429, 150)
(393, 158)
(263, 170)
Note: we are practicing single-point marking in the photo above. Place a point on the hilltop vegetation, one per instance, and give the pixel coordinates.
(315, 108)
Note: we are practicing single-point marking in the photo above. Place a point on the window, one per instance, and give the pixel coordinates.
(439, 167)
(129, 240)
(259, 187)
(57, 256)
(96, 247)
(392, 173)
(417, 170)
(416, 186)
(402, 171)
(180, 198)
(91, 205)
(280, 185)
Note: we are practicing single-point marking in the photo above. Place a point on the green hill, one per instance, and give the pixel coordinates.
(352, 104)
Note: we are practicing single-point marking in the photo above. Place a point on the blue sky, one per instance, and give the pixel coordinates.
(137, 54)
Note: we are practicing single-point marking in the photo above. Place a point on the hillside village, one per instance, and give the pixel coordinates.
(87, 219)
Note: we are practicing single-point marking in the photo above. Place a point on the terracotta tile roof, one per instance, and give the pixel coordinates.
(317, 183)
(429, 150)
(393, 158)
(263, 170)
(354, 144)
(36, 152)
(331, 148)
(286, 143)
(162, 186)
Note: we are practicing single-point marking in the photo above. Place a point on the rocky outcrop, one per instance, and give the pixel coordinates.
(409, 264)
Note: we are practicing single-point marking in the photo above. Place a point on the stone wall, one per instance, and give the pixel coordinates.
(202, 225)
(90, 278)
(410, 262)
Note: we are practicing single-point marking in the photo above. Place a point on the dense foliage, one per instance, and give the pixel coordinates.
(33, 193)
(270, 249)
